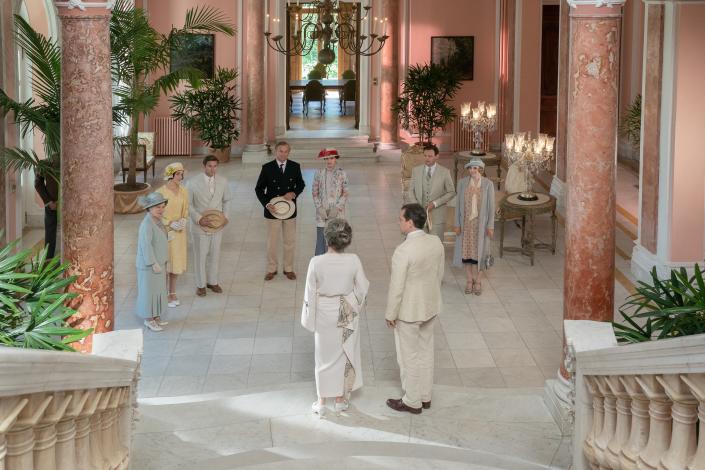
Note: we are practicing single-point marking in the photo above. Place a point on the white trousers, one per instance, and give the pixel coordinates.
(414, 343)
(206, 256)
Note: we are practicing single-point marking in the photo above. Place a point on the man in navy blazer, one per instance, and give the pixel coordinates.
(280, 177)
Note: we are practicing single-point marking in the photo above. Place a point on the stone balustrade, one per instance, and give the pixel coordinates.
(639, 406)
(69, 411)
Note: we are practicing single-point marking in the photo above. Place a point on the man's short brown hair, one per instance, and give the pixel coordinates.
(282, 143)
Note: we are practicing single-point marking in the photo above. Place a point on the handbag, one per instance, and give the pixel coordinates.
(488, 259)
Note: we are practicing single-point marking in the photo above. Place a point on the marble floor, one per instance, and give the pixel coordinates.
(250, 335)
(245, 350)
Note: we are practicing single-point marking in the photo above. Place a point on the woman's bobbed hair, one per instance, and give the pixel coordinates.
(338, 234)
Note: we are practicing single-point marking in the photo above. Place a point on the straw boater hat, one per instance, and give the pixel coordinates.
(216, 220)
(328, 153)
(283, 208)
(476, 162)
(151, 200)
(171, 169)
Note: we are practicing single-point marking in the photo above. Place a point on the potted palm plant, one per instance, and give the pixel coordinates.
(424, 102)
(211, 109)
(140, 56)
(40, 113)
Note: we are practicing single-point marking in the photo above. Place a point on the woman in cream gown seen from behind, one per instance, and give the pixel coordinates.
(336, 289)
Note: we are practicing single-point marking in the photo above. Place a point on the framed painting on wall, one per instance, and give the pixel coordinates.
(456, 52)
(197, 51)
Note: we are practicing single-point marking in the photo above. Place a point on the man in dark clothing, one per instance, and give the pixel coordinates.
(280, 177)
(48, 189)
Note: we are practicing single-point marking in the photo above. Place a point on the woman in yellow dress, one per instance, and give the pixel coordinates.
(175, 219)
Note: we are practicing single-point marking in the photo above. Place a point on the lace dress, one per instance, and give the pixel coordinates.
(471, 228)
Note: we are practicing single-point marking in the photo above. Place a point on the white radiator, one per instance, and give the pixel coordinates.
(171, 138)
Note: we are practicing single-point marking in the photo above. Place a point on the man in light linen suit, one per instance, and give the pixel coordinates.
(413, 303)
(207, 191)
(432, 187)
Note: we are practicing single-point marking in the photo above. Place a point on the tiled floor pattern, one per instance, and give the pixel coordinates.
(250, 335)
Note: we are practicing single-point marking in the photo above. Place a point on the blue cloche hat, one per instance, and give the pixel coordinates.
(476, 162)
(151, 200)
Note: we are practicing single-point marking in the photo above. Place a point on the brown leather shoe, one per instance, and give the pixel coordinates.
(215, 288)
(426, 404)
(201, 291)
(290, 275)
(270, 276)
(399, 405)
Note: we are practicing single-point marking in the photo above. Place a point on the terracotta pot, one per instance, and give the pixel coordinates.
(223, 154)
(126, 199)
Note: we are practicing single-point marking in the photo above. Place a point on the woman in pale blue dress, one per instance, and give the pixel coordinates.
(152, 255)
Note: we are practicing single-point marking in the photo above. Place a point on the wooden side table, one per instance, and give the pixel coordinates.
(489, 159)
(512, 207)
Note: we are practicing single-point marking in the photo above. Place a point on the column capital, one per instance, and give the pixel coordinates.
(596, 3)
(82, 5)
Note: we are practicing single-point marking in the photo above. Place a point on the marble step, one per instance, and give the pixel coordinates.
(275, 427)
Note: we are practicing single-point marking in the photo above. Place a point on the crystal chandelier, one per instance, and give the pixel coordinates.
(532, 156)
(328, 22)
(481, 120)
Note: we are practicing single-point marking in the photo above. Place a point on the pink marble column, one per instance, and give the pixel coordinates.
(562, 119)
(651, 109)
(389, 83)
(9, 134)
(254, 81)
(507, 20)
(590, 166)
(87, 163)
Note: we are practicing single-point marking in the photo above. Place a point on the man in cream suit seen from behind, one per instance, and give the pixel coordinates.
(207, 191)
(432, 187)
(413, 304)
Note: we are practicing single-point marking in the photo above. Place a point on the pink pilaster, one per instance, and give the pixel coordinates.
(562, 105)
(507, 20)
(254, 74)
(651, 109)
(590, 166)
(87, 162)
(389, 84)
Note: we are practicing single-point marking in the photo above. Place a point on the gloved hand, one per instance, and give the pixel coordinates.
(183, 222)
(176, 225)
(156, 269)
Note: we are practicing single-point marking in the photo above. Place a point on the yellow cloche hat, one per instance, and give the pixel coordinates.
(171, 169)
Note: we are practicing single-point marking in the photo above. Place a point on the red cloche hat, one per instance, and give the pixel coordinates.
(328, 153)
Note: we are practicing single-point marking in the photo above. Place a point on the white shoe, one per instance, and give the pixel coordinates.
(161, 322)
(319, 409)
(173, 303)
(153, 325)
(342, 406)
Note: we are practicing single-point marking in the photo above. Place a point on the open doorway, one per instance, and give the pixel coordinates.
(550, 19)
(323, 90)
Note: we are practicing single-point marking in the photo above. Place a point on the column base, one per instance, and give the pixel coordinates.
(558, 190)
(388, 146)
(256, 156)
(643, 261)
(556, 397)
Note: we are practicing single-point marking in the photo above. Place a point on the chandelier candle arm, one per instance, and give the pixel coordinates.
(481, 121)
(531, 155)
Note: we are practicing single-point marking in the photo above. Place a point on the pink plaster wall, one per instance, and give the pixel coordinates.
(165, 13)
(687, 204)
(457, 18)
(529, 74)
